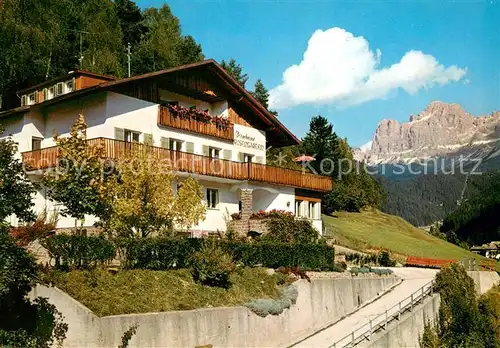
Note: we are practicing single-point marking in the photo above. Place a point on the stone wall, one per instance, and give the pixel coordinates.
(320, 303)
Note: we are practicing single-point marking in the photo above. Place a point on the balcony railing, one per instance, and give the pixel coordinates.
(167, 118)
(191, 163)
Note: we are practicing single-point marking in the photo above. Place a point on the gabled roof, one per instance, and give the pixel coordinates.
(236, 92)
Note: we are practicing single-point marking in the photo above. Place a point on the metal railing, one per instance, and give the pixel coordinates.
(381, 321)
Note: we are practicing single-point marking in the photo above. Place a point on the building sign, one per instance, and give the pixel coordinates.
(248, 141)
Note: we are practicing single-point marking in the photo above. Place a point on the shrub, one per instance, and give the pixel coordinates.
(264, 307)
(170, 253)
(69, 251)
(158, 253)
(384, 259)
(285, 228)
(23, 323)
(25, 234)
(298, 272)
(212, 266)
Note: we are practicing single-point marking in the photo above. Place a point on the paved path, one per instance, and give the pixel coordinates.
(413, 279)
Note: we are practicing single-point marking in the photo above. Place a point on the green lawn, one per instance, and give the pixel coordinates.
(142, 291)
(373, 229)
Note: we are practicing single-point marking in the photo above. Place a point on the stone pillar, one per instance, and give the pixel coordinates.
(246, 203)
(241, 226)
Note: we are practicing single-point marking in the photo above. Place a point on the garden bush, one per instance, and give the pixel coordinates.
(158, 253)
(212, 266)
(264, 307)
(283, 227)
(175, 253)
(79, 252)
(163, 254)
(381, 259)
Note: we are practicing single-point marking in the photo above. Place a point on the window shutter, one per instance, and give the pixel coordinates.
(45, 94)
(37, 97)
(205, 150)
(241, 157)
(259, 159)
(23, 100)
(148, 139)
(228, 154)
(165, 142)
(119, 134)
(189, 147)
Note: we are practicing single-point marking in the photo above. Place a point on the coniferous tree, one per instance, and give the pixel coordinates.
(261, 94)
(322, 143)
(131, 21)
(236, 71)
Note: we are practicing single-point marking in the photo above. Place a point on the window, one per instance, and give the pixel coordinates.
(32, 98)
(212, 198)
(298, 208)
(52, 92)
(247, 158)
(131, 136)
(60, 88)
(175, 145)
(213, 152)
(70, 86)
(312, 212)
(23, 100)
(36, 143)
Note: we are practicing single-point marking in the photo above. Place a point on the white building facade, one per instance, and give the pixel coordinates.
(225, 152)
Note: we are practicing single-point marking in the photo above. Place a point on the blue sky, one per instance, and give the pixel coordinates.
(267, 37)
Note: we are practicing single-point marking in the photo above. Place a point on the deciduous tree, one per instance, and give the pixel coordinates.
(16, 189)
(82, 180)
(144, 199)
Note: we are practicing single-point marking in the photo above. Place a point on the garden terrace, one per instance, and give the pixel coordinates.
(192, 163)
(194, 121)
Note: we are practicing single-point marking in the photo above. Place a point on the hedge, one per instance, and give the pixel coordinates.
(162, 254)
(175, 253)
(79, 251)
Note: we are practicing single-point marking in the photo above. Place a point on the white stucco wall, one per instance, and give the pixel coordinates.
(273, 197)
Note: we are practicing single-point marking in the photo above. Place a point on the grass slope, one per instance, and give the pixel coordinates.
(373, 229)
(144, 291)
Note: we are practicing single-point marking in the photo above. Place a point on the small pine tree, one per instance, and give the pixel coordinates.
(236, 71)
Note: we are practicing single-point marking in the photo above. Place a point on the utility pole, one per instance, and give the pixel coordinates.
(128, 55)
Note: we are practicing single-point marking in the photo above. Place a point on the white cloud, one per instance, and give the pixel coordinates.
(339, 68)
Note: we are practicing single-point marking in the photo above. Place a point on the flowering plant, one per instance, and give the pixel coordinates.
(199, 115)
(270, 214)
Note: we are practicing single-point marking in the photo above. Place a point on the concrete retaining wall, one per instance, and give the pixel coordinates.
(484, 280)
(407, 331)
(320, 303)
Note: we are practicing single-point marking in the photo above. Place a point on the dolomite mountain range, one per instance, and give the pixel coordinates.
(442, 130)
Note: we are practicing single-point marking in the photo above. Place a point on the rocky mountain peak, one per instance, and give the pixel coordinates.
(441, 128)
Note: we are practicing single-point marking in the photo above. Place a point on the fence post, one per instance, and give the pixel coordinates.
(422, 294)
(386, 320)
(399, 312)
(411, 303)
(352, 336)
(371, 328)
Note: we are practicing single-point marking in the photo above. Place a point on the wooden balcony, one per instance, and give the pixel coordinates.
(196, 164)
(168, 119)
